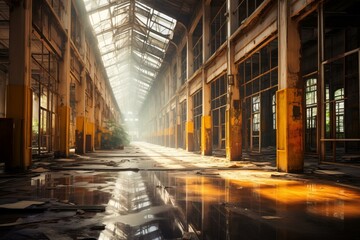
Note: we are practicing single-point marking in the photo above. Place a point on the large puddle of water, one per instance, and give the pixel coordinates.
(209, 205)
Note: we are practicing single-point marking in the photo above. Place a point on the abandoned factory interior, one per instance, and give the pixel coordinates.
(179, 119)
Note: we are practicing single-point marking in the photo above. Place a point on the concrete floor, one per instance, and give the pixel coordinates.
(151, 192)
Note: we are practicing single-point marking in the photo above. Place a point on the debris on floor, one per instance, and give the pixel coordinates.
(148, 191)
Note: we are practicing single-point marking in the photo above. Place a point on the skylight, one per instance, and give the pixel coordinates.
(133, 39)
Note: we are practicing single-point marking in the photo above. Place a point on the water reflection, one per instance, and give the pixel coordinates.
(136, 211)
(85, 188)
(247, 205)
(229, 205)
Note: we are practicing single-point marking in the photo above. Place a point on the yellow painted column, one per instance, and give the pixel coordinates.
(80, 128)
(90, 124)
(206, 136)
(289, 120)
(64, 126)
(289, 154)
(80, 134)
(90, 130)
(206, 121)
(189, 136)
(19, 93)
(233, 134)
(233, 119)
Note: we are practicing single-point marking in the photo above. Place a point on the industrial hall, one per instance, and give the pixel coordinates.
(179, 119)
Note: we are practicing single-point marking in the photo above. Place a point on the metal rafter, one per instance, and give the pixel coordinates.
(133, 39)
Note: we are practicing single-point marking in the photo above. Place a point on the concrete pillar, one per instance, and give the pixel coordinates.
(177, 125)
(206, 30)
(90, 123)
(19, 94)
(206, 124)
(166, 128)
(233, 112)
(189, 128)
(64, 90)
(98, 128)
(80, 115)
(289, 134)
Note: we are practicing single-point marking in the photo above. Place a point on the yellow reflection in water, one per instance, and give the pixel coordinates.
(318, 198)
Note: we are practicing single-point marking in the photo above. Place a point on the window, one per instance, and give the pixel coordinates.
(339, 112)
(256, 113)
(255, 123)
(183, 65)
(197, 103)
(218, 106)
(245, 8)
(218, 26)
(310, 102)
(197, 47)
(183, 109)
(174, 80)
(273, 106)
(258, 75)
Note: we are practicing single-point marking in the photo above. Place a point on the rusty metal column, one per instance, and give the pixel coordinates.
(289, 120)
(64, 90)
(19, 94)
(233, 111)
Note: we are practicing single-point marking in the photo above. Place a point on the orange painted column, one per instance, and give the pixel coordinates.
(289, 104)
(189, 136)
(189, 125)
(206, 121)
(19, 93)
(81, 119)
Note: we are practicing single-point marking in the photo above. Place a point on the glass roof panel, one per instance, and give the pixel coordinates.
(132, 39)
